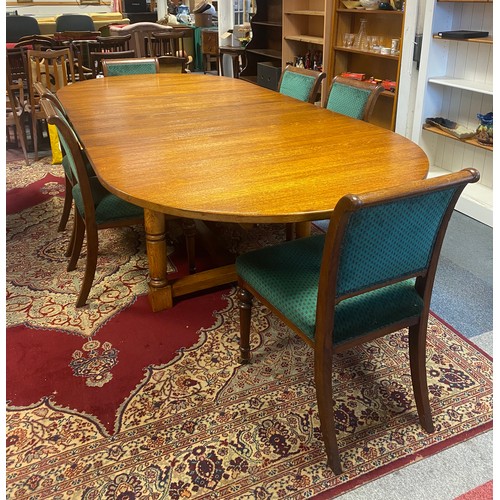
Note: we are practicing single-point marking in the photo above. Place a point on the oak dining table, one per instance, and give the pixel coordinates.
(213, 148)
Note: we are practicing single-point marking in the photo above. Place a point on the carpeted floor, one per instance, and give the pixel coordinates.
(132, 404)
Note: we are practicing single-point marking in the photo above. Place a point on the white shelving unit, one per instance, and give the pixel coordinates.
(456, 82)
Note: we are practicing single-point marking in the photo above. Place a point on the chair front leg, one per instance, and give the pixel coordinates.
(245, 306)
(418, 335)
(324, 396)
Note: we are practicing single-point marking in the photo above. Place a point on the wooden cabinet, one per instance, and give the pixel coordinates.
(387, 24)
(265, 45)
(456, 82)
(306, 28)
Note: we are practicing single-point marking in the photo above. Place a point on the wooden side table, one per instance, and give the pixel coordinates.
(235, 53)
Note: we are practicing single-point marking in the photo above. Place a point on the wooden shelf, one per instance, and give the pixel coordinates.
(306, 13)
(459, 83)
(484, 39)
(371, 12)
(268, 23)
(274, 54)
(305, 38)
(366, 53)
(472, 141)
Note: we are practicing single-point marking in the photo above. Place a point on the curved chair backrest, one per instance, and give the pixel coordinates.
(141, 36)
(75, 22)
(170, 43)
(19, 26)
(353, 98)
(37, 42)
(135, 66)
(300, 83)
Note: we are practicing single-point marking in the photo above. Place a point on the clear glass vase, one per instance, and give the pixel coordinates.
(360, 40)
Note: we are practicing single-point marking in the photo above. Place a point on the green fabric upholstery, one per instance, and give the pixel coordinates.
(347, 100)
(108, 207)
(67, 167)
(297, 85)
(133, 68)
(381, 245)
(287, 275)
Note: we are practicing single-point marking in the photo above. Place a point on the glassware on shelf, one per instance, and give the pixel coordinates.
(360, 40)
(349, 39)
(485, 129)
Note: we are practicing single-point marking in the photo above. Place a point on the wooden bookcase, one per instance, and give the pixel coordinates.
(266, 42)
(389, 25)
(456, 82)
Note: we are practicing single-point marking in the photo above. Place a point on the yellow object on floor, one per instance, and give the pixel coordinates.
(55, 145)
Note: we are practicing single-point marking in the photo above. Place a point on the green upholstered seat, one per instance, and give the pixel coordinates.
(108, 207)
(131, 68)
(67, 168)
(347, 100)
(297, 85)
(287, 275)
(370, 275)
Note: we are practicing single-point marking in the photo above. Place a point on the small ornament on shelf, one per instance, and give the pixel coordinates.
(484, 133)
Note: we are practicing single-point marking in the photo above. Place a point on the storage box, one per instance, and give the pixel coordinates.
(203, 20)
(268, 74)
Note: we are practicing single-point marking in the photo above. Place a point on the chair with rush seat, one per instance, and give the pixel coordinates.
(300, 83)
(353, 98)
(370, 275)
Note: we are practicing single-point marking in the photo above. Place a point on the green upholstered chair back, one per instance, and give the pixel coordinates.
(299, 83)
(122, 67)
(390, 241)
(353, 98)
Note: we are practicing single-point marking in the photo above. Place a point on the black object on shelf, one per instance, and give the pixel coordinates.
(463, 34)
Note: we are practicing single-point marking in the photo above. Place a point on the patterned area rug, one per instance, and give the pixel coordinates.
(113, 401)
(201, 426)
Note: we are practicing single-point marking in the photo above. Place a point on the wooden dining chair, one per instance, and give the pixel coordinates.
(96, 59)
(370, 275)
(45, 93)
(353, 98)
(53, 68)
(117, 43)
(132, 66)
(15, 112)
(96, 207)
(300, 83)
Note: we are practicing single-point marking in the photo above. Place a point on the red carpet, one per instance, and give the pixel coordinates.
(483, 492)
(113, 401)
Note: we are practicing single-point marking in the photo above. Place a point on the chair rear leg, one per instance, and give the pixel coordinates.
(34, 135)
(77, 240)
(417, 335)
(324, 395)
(245, 306)
(68, 201)
(90, 267)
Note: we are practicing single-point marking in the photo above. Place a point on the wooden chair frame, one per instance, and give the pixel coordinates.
(323, 345)
(96, 59)
(15, 112)
(59, 66)
(375, 91)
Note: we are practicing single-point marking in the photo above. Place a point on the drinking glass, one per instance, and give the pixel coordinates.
(348, 39)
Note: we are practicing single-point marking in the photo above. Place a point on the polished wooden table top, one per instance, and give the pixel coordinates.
(222, 149)
(215, 148)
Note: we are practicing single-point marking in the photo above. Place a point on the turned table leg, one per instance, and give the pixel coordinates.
(160, 290)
